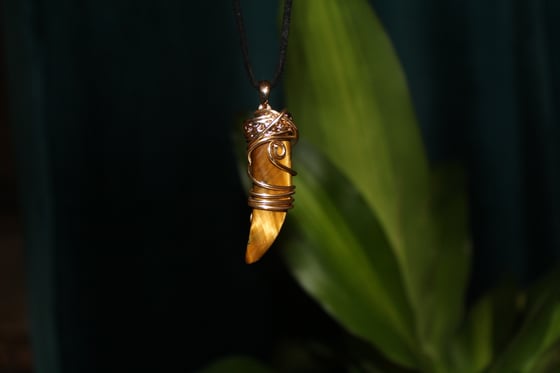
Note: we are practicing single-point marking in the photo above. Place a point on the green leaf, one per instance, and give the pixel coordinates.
(346, 89)
(539, 332)
(473, 349)
(330, 252)
(549, 362)
(349, 97)
(481, 335)
(231, 364)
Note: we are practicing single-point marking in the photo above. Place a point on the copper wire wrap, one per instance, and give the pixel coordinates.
(272, 133)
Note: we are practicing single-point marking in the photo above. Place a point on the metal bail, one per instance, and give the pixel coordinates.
(264, 93)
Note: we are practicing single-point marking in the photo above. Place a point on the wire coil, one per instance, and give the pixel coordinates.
(272, 133)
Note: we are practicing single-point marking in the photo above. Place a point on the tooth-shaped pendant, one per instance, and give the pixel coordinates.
(270, 136)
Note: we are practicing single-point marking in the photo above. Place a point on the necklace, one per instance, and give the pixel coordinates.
(270, 135)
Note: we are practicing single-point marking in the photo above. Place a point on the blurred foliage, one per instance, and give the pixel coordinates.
(379, 236)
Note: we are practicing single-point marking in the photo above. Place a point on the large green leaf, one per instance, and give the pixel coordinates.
(349, 97)
(333, 259)
(487, 329)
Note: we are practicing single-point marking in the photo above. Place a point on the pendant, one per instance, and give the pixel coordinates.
(270, 136)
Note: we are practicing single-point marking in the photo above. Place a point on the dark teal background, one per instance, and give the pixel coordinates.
(135, 217)
(485, 79)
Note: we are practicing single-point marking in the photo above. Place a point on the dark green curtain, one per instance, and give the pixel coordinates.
(135, 217)
(484, 76)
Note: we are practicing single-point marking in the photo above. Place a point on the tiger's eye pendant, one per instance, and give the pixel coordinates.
(270, 136)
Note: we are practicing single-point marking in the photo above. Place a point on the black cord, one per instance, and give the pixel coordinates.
(283, 43)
